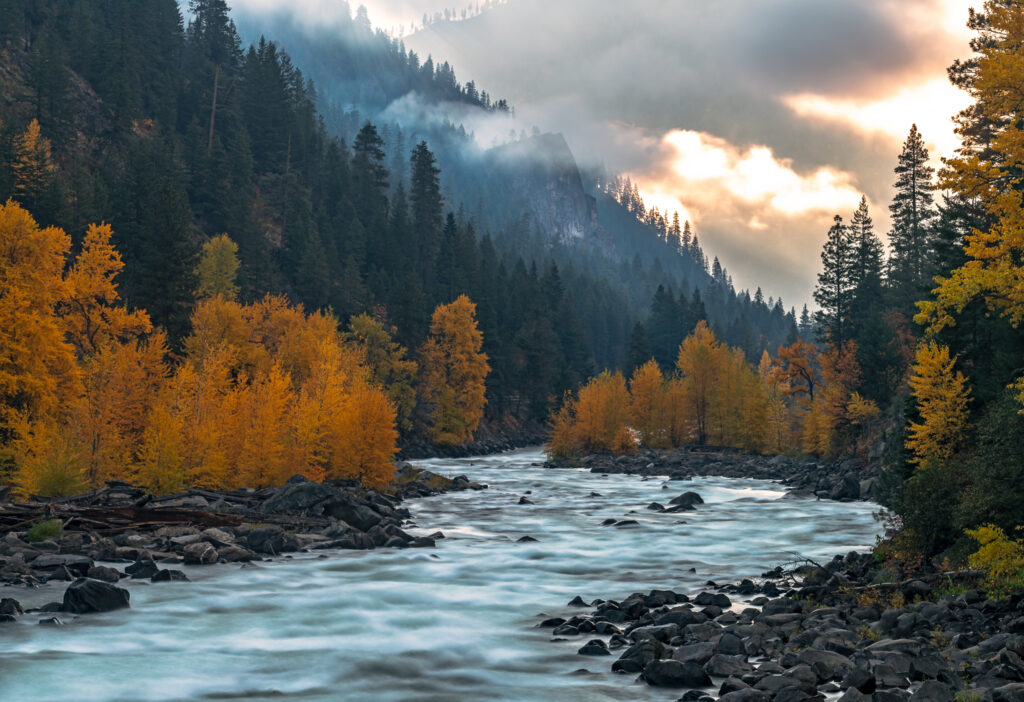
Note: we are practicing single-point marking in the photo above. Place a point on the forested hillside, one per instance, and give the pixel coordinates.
(171, 130)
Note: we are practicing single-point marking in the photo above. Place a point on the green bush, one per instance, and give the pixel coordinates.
(48, 529)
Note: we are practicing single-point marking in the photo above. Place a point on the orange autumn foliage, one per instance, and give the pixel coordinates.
(88, 395)
(454, 372)
(717, 397)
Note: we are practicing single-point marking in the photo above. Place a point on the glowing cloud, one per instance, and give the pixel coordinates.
(708, 176)
(930, 105)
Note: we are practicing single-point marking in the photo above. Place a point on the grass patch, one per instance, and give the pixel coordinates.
(47, 529)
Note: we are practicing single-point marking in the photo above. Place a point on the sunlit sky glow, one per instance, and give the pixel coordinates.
(757, 121)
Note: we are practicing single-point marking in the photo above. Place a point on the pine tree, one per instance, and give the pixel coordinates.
(911, 238)
(427, 209)
(32, 166)
(835, 284)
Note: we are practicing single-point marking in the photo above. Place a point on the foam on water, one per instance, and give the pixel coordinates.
(454, 623)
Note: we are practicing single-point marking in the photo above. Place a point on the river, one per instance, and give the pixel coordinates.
(453, 623)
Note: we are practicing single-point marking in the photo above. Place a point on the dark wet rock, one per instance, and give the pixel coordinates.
(142, 570)
(168, 575)
(551, 623)
(673, 673)
(685, 502)
(635, 658)
(723, 666)
(595, 647)
(299, 497)
(860, 679)
(10, 606)
(235, 554)
(656, 507)
(747, 695)
(578, 602)
(933, 691)
(268, 540)
(854, 695)
(525, 501)
(104, 573)
(7, 619)
(50, 621)
(627, 523)
(730, 645)
(201, 553)
(698, 653)
(76, 564)
(526, 539)
(85, 596)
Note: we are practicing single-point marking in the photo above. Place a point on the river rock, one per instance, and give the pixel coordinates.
(596, 647)
(10, 606)
(267, 539)
(635, 658)
(933, 691)
(78, 565)
(201, 553)
(104, 573)
(673, 673)
(85, 596)
(299, 497)
(167, 575)
(142, 570)
(685, 502)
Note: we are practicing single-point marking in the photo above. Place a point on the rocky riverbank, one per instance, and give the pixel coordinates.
(838, 631)
(850, 479)
(491, 437)
(84, 540)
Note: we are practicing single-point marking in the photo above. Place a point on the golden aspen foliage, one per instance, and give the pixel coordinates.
(647, 410)
(798, 368)
(47, 458)
(387, 363)
(32, 164)
(778, 418)
(262, 423)
(454, 372)
(90, 311)
(994, 272)
(561, 444)
(120, 384)
(161, 462)
(699, 365)
(366, 435)
(217, 270)
(679, 420)
(37, 366)
(942, 398)
(602, 414)
(861, 410)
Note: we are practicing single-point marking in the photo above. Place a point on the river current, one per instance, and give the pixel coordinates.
(458, 622)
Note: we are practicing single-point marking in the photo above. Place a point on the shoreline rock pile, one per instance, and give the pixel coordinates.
(123, 524)
(844, 480)
(816, 632)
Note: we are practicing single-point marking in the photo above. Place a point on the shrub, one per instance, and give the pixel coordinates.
(1000, 558)
(47, 529)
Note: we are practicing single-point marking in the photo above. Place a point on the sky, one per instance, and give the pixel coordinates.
(756, 119)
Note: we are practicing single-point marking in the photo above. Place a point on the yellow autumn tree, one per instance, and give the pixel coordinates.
(454, 373)
(647, 410)
(217, 270)
(942, 398)
(387, 362)
(994, 271)
(90, 311)
(778, 435)
(37, 366)
(699, 364)
(601, 413)
(32, 165)
(366, 436)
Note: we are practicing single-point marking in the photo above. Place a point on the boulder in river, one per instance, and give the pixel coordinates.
(685, 502)
(672, 673)
(86, 596)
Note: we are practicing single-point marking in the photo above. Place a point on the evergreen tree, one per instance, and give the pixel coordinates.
(911, 238)
(834, 290)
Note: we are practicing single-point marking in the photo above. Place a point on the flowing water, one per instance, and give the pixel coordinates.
(453, 623)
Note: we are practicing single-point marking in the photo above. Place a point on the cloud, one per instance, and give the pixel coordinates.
(799, 102)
